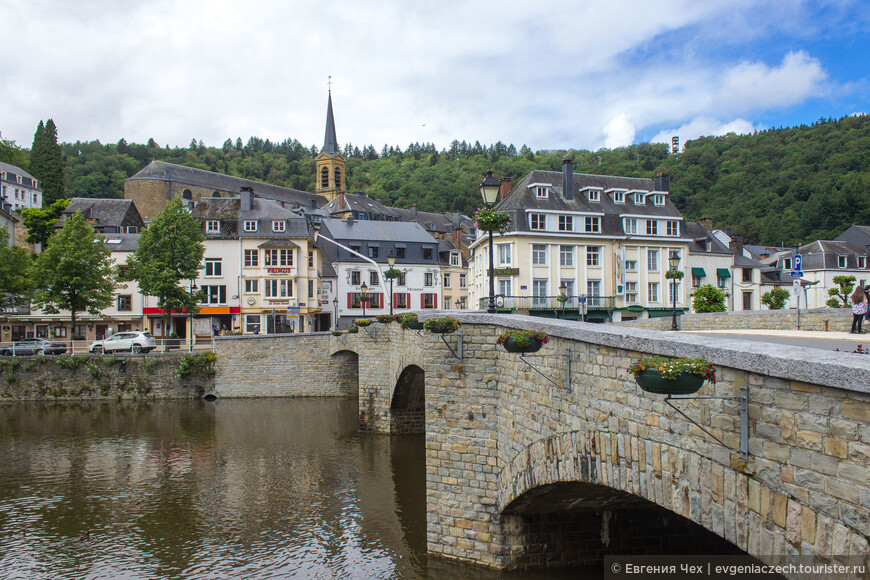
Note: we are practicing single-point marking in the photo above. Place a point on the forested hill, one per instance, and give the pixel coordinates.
(780, 186)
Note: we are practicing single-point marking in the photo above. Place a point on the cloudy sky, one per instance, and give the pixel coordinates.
(582, 74)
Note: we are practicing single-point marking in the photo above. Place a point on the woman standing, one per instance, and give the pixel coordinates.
(859, 307)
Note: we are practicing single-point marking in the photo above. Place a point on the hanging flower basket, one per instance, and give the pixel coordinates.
(392, 273)
(442, 325)
(492, 221)
(409, 320)
(336, 333)
(363, 322)
(678, 376)
(353, 330)
(523, 341)
(384, 318)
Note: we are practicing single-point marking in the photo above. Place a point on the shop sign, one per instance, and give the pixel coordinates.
(506, 271)
(279, 270)
(634, 308)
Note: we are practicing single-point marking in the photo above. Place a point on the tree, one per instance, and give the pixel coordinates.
(839, 297)
(13, 154)
(75, 272)
(46, 162)
(776, 298)
(15, 263)
(170, 250)
(40, 222)
(708, 298)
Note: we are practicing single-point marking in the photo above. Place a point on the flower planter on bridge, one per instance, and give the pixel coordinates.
(523, 341)
(442, 325)
(653, 382)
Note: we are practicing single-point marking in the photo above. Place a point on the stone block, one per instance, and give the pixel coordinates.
(856, 410)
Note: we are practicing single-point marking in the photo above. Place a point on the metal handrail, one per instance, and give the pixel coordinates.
(550, 302)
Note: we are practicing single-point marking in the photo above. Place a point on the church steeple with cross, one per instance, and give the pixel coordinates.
(330, 164)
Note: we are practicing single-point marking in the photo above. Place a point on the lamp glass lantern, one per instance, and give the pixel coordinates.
(489, 189)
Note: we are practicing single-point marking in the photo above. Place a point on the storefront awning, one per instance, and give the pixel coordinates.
(723, 272)
(699, 273)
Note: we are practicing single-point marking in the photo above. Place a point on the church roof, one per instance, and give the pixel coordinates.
(330, 142)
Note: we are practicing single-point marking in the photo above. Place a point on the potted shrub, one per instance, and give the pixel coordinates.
(442, 325)
(409, 320)
(523, 340)
(363, 322)
(672, 376)
(384, 318)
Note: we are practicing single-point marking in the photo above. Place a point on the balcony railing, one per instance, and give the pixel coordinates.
(549, 302)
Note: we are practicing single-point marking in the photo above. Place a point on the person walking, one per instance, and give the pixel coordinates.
(859, 308)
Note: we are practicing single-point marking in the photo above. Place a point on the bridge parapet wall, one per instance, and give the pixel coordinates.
(496, 429)
(817, 319)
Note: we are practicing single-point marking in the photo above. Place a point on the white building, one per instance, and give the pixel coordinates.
(18, 188)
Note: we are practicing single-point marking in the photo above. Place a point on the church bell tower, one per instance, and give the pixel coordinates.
(330, 164)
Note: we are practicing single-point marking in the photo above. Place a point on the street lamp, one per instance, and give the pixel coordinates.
(193, 289)
(489, 189)
(335, 313)
(674, 263)
(563, 297)
(364, 297)
(391, 260)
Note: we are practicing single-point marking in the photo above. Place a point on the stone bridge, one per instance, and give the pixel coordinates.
(558, 458)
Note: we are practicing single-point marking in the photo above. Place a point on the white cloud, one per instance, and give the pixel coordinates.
(756, 86)
(618, 132)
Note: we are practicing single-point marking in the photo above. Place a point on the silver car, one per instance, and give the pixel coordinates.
(133, 341)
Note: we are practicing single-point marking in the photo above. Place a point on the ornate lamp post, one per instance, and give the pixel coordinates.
(563, 297)
(489, 189)
(190, 337)
(364, 297)
(391, 261)
(335, 313)
(674, 263)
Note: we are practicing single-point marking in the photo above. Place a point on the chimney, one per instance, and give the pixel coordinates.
(706, 223)
(737, 244)
(457, 231)
(247, 194)
(504, 188)
(568, 178)
(312, 204)
(414, 211)
(340, 200)
(349, 220)
(662, 182)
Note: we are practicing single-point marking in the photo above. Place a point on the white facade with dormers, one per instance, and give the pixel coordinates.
(18, 188)
(605, 239)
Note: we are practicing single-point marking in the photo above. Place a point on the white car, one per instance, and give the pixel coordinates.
(125, 341)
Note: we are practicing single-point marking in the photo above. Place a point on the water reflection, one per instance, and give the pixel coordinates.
(238, 489)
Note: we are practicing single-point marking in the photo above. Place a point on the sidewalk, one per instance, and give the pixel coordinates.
(815, 334)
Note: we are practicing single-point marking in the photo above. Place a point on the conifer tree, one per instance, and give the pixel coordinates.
(46, 162)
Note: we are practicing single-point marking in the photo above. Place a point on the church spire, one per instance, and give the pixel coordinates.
(330, 142)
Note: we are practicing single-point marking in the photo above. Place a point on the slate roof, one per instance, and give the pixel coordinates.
(162, 171)
(13, 170)
(122, 242)
(330, 142)
(698, 234)
(822, 255)
(229, 212)
(105, 212)
(360, 202)
(858, 236)
(522, 198)
(365, 230)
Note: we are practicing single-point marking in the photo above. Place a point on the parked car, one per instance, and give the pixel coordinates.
(125, 341)
(33, 346)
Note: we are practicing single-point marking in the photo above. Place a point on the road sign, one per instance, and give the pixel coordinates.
(797, 262)
(581, 299)
(796, 273)
(796, 285)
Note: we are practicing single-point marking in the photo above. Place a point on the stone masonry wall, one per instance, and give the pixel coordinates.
(291, 365)
(818, 319)
(98, 377)
(497, 429)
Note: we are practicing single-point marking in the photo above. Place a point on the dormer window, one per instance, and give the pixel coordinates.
(638, 199)
(250, 225)
(19, 179)
(35, 184)
(673, 227)
(593, 224)
(3, 175)
(541, 192)
(862, 262)
(279, 226)
(659, 199)
(212, 227)
(841, 262)
(537, 221)
(618, 197)
(786, 263)
(594, 195)
(652, 227)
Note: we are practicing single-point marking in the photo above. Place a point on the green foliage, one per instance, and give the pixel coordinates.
(170, 251)
(16, 284)
(776, 298)
(40, 222)
(672, 368)
(94, 370)
(708, 298)
(75, 272)
(46, 162)
(490, 220)
(384, 318)
(523, 338)
(149, 364)
(442, 324)
(202, 365)
(110, 360)
(674, 274)
(839, 296)
(71, 363)
(12, 154)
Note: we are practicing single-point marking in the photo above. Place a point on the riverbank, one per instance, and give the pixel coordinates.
(100, 377)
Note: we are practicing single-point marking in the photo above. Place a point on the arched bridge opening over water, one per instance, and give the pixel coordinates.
(558, 458)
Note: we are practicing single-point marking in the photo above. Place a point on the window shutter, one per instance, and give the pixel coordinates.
(435, 301)
(422, 301)
(349, 302)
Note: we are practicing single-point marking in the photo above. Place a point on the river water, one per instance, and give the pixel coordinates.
(278, 488)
